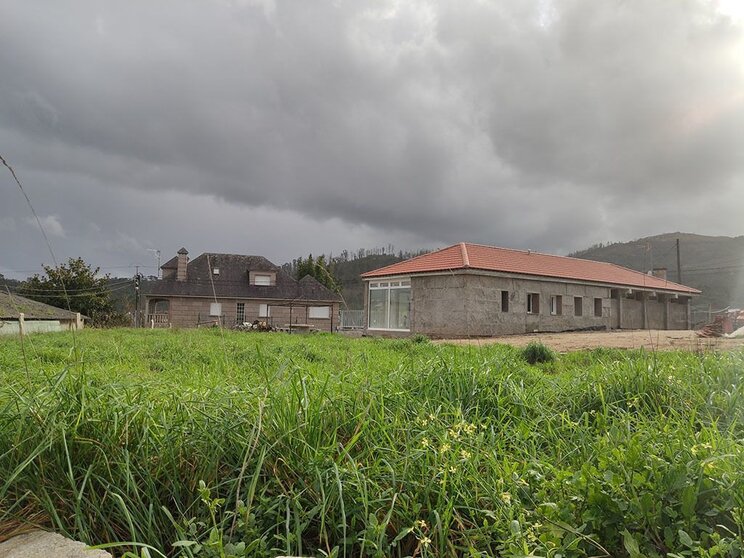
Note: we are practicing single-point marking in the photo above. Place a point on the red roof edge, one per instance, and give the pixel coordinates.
(375, 271)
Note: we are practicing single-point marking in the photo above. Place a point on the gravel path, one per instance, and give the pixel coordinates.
(635, 339)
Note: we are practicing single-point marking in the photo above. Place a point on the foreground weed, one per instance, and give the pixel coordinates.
(186, 443)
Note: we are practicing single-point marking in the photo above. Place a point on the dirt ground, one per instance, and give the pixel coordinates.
(635, 339)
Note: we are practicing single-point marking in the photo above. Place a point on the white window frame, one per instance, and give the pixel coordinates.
(264, 311)
(240, 312)
(556, 303)
(215, 309)
(319, 312)
(215, 271)
(388, 284)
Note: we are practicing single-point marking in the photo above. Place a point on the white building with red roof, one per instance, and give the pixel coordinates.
(475, 290)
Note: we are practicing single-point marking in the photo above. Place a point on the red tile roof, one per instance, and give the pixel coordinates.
(490, 258)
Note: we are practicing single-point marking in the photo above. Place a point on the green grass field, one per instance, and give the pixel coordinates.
(201, 443)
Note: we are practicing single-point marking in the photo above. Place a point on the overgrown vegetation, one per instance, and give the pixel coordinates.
(535, 352)
(77, 287)
(208, 443)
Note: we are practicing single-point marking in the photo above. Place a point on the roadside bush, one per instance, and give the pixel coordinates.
(536, 352)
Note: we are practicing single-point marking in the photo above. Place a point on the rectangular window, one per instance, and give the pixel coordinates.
(578, 306)
(215, 309)
(556, 305)
(504, 301)
(378, 306)
(240, 313)
(215, 271)
(533, 303)
(390, 305)
(598, 307)
(262, 280)
(264, 311)
(399, 306)
(319, 312)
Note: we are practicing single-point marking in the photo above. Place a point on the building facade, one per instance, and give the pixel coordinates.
(230, 289)
(473, 290)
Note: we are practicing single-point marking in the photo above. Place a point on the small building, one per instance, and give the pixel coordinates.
(22, 315)
(473, 290)
(230, 289)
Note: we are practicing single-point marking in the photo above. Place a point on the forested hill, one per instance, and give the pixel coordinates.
(713, 264)
(348, 272)
(347, 267)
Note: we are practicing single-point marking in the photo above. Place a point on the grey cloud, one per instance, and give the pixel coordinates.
(544, 124)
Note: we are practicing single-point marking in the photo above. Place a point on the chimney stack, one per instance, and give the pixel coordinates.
(660, 272)
(183, 260)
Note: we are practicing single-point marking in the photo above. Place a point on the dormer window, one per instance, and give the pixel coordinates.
(262, 279)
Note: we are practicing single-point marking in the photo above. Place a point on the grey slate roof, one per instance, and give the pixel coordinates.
(11, 305)
(232, 281)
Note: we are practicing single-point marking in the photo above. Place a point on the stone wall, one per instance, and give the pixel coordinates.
(193, 311)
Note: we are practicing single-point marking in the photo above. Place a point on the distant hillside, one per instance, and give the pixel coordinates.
(713, 264)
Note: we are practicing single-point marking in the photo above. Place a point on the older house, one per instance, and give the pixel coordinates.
(22, 315)
(475, 290)
(229, 289)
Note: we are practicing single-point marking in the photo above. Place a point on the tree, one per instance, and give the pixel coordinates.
(320, 270)
(85, 291)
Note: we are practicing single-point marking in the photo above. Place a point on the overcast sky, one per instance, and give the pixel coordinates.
(284, 128)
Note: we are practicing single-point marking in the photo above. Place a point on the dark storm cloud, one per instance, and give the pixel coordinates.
(544, 124)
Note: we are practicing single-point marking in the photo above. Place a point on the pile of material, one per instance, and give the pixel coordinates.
(255, 326)
(713, 329)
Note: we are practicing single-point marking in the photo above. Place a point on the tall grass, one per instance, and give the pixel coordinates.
(183, 443)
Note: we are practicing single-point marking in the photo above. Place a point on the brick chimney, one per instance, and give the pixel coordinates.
(659, 272)
(183, 260)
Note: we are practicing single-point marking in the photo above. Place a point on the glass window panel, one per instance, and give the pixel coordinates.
(399, 308)
(378, 308)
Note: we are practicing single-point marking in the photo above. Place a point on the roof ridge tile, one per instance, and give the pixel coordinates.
(464, 253)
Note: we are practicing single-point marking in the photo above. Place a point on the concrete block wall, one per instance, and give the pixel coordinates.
(678, 314)
(469, 304)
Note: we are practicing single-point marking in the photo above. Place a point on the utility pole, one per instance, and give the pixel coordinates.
(679, 266)
(136, 296)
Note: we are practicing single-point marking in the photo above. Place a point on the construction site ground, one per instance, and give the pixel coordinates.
(618, 339)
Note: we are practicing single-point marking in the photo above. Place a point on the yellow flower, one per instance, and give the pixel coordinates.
(422, 524)
(444, 448)
(425, 442)
(453, 469)
(465, 454)
(426, 541)
(506, 497)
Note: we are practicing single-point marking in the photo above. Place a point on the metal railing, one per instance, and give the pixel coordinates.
(352, 319)
(158, 320)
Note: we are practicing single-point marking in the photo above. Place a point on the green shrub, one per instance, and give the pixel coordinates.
(420, 338)
(536, 352)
